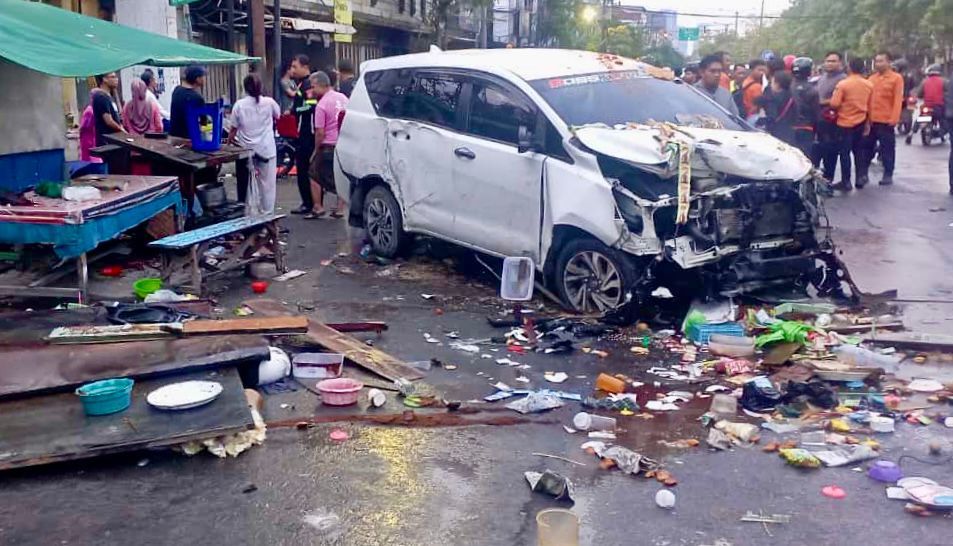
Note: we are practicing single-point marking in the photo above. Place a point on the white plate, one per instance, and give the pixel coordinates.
(184, 395)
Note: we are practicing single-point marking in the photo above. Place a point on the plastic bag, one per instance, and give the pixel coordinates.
(787, 331)
(759, 395)
(535, 402)
(800, 458)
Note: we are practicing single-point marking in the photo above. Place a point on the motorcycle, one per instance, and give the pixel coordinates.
(930, 124)
(906, 116)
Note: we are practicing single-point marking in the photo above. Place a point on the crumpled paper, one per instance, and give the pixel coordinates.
(844, 455)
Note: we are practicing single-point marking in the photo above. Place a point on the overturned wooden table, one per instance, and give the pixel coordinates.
(260, 234)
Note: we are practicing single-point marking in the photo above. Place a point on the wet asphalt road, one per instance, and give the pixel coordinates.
(434, 486)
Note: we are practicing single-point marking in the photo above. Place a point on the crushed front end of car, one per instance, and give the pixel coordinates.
(720, 213)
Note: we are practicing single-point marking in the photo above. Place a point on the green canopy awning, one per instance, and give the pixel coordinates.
(62, 43)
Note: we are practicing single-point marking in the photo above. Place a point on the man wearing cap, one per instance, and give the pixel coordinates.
(185, 95)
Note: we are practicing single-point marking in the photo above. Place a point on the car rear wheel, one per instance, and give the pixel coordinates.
(593, 278)
(384, 222)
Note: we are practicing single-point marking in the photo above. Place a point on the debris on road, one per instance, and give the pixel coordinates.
(550, 483)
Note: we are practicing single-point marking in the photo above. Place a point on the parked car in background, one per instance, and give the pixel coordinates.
(613, 176)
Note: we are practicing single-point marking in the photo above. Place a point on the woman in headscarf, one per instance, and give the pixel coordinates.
(139, 115)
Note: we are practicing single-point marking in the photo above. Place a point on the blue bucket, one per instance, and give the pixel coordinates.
(107, 396)
(208, 116)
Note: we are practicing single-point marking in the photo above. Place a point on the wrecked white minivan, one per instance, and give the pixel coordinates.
(611, 175)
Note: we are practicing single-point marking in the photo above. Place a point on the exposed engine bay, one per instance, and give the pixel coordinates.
(742, 235)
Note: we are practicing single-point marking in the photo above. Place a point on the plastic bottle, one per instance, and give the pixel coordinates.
(864, 358)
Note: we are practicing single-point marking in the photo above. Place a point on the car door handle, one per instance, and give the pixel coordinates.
(464, 153)
(400, 134)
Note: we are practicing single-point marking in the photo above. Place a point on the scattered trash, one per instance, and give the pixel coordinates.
(324, 521)
(465, 347)
(430, 339)
(601, 435)
(550, 483)
(587, 421)
(376, 398)
(555, 377)
(833, 492)
(723, 405)
(626, 460)
(881, 424)
(293, 274)
(760, 395)
(659, 405)
(664, 498)
(680, 444)
(751, 517)
(558, 458)
(536, 402)
(885, 471)
(925, 385)
(142, 463)
(339, 435)
(249, 488)
(607, 383)
(845, 455)
(801, 458)
(745, 432)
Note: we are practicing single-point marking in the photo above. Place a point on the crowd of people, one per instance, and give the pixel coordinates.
(308, 111)
(837, 115)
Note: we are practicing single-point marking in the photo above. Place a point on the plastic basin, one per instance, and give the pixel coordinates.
(105, 397)
(557, 527)
(342, 391)
(144, 287)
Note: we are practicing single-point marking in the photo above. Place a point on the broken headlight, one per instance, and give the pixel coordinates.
(630, 210)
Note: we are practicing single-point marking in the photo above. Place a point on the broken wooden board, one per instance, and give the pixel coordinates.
(53, 428)
(36, 369)
(287, 324)
(913, 340)
(353, 350)
(865, 328)
(116, 333)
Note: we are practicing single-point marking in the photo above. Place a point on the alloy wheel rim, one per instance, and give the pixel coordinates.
(380, 224)
(592, 282)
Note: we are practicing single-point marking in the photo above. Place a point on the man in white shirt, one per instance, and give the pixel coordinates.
(149, 78)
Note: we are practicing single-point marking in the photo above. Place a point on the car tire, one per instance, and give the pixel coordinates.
(593, 278)
(384, 222)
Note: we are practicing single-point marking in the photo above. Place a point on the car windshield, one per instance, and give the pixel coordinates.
(618, 98)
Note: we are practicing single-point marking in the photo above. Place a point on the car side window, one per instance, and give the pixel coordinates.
(433, 98)
(497, 113)
(388, 90)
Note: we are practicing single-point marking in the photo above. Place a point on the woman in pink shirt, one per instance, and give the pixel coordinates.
(328, 115)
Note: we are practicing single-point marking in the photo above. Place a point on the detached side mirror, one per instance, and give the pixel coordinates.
(526, 141)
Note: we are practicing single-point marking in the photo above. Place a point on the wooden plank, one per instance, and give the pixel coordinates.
(53, 428)
(914, 340)
(45, 368)
(189, 238)
(116, 333)
(295, 324)
(178, 150)
(865, 328)
(353, 350)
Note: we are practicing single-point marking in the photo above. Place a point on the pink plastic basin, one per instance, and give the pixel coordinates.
(341, 391)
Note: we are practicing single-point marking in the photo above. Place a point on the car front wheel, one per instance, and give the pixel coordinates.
(593, 278)
(384, 222)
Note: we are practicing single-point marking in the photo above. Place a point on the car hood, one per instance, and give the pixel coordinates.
(749, 154)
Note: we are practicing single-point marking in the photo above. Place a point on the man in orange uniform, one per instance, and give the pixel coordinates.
(885, 106)
(851, 99)
(753, 87)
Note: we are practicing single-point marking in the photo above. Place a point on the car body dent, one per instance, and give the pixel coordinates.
(749, 154)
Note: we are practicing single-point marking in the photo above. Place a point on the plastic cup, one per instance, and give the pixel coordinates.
(607, 383)
(376, 397)
(588, 421)
(557, 527)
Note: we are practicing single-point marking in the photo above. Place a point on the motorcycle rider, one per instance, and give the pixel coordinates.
(807, 104)
(932, 91)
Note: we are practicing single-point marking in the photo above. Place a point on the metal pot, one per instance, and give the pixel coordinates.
(211, 195)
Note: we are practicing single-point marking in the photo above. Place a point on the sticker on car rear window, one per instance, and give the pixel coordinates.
(602, 77)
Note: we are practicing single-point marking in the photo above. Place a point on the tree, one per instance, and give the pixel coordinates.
(441, 10)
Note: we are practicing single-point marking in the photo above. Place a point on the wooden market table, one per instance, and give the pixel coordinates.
(174, 155)
(74, 228)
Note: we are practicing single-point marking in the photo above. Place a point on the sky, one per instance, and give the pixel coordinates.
(722, 7)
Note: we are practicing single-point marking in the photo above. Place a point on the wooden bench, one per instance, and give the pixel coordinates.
(259, 232)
